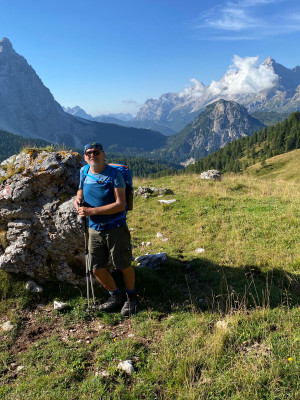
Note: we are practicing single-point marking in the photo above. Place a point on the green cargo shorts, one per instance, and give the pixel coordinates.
(112, 245)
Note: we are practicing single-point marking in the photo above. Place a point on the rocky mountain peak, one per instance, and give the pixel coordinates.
(5, 45)
(269, 61)
(222, 122)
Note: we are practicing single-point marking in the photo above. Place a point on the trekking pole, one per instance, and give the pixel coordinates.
(88, 272)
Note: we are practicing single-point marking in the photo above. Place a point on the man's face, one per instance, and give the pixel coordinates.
(94, 156)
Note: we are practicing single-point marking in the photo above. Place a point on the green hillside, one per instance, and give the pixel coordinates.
(219, 321)
(262, 145)
(284, 167)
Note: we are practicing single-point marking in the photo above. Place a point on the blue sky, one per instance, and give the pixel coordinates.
(111, 56)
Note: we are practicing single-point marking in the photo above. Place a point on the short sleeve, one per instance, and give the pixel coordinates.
(119, 181)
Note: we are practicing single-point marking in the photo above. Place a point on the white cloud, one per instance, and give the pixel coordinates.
(197, 89)
(232, 19)
(243, 76)
(130, 101)
(249, 17)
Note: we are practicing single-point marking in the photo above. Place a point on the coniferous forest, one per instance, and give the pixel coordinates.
(240, 154)
(234, 157)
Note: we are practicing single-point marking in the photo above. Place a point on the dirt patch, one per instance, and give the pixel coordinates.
(44, 323)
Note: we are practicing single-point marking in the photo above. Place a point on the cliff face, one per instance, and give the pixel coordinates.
(42, 235)
(28, 108)
(220, 123)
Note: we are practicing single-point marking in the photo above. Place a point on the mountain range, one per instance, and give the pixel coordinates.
(29, 109)
(204, 117)
(280, 93)
(175, 110)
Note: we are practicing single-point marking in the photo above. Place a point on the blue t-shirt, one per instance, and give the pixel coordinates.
(98, 190)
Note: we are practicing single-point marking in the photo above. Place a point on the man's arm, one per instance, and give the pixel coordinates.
(112, 208)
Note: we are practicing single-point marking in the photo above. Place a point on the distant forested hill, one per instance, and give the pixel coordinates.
(140, 167)
(12, 144)
(240, 154)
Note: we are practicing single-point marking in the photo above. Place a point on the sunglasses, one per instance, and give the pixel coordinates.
(95, 152)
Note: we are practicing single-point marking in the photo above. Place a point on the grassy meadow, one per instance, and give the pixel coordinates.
(218, 323)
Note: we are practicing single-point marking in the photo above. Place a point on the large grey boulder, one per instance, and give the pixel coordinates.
(211, 174)
(41, 232)
(153, 261)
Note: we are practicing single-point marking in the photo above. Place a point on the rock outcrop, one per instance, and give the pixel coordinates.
(211, 174)
(41, 233)
(145, 191)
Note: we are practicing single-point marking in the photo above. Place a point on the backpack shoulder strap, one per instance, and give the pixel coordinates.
(86, 170)
(110, 179)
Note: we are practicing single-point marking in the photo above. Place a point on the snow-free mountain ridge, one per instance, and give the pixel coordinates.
(280, 93)
(28, 108)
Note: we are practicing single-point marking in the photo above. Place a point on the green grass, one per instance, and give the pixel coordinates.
(222, 324)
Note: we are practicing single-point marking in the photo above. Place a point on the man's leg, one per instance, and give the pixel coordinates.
(129, 306)
(105, 278)
(129, 278)
(99, 258)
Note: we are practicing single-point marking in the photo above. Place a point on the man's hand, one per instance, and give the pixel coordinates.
(85, 211)
(77, 202)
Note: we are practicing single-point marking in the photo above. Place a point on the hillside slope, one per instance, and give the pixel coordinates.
(284, 167)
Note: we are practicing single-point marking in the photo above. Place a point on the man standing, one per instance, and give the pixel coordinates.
(103, 192)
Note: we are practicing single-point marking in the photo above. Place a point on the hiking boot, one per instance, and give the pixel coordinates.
(129, 307)
(114, 303)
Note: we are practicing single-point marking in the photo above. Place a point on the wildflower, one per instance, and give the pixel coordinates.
(290, 359)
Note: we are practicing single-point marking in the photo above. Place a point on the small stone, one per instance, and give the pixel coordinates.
(126, 366)
(31, 286)
(131, 335)
(222, 324)
(167, 201)
(19, 368)
(103, 373)
(59, 305)
(7, 326)
(162, 237)
(200, 250)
